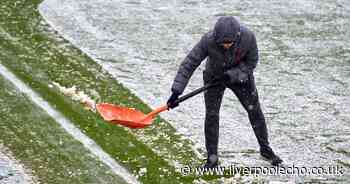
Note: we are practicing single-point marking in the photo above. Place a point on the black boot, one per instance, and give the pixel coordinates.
(212, 162)
(270, 155)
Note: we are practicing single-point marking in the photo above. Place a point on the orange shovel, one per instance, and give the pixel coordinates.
(133, 118)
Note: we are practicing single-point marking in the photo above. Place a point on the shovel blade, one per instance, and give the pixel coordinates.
(129, 117)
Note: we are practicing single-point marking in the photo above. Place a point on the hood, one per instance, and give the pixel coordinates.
(226, 28)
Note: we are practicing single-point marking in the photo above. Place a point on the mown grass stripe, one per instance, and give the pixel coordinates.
(69, 127)
(38, 142)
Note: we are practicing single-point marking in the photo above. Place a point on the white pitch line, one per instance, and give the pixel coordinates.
(69, 127)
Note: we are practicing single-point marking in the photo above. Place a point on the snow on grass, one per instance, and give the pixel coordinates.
(78, 96)
(49, 58)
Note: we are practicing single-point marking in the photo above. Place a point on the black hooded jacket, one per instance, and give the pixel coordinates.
(243, 54)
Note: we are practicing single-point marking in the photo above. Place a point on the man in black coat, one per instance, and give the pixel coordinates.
(232, 55)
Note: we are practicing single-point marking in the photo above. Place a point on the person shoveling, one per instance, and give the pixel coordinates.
(232, 55)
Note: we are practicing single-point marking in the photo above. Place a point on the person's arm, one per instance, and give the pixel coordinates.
(193, 59)
(252, 57)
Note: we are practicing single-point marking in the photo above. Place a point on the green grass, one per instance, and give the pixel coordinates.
(42, 145)
(39, 57)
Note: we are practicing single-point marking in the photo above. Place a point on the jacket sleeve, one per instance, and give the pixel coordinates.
(193, 59)
(252, 57)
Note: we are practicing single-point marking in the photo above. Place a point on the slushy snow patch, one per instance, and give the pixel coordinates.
(12, 171)
(78, 96)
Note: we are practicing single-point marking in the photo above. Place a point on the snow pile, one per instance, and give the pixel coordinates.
(78, 96)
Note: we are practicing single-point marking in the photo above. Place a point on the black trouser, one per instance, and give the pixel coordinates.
(248, 97)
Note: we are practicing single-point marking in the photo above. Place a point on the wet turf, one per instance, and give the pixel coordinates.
(43, 146)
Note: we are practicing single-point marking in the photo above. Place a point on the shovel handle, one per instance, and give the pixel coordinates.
(179, 100)
(155, 112)
(196, 92)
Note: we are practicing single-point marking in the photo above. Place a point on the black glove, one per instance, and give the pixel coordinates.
(172, 100)
(235, 76)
